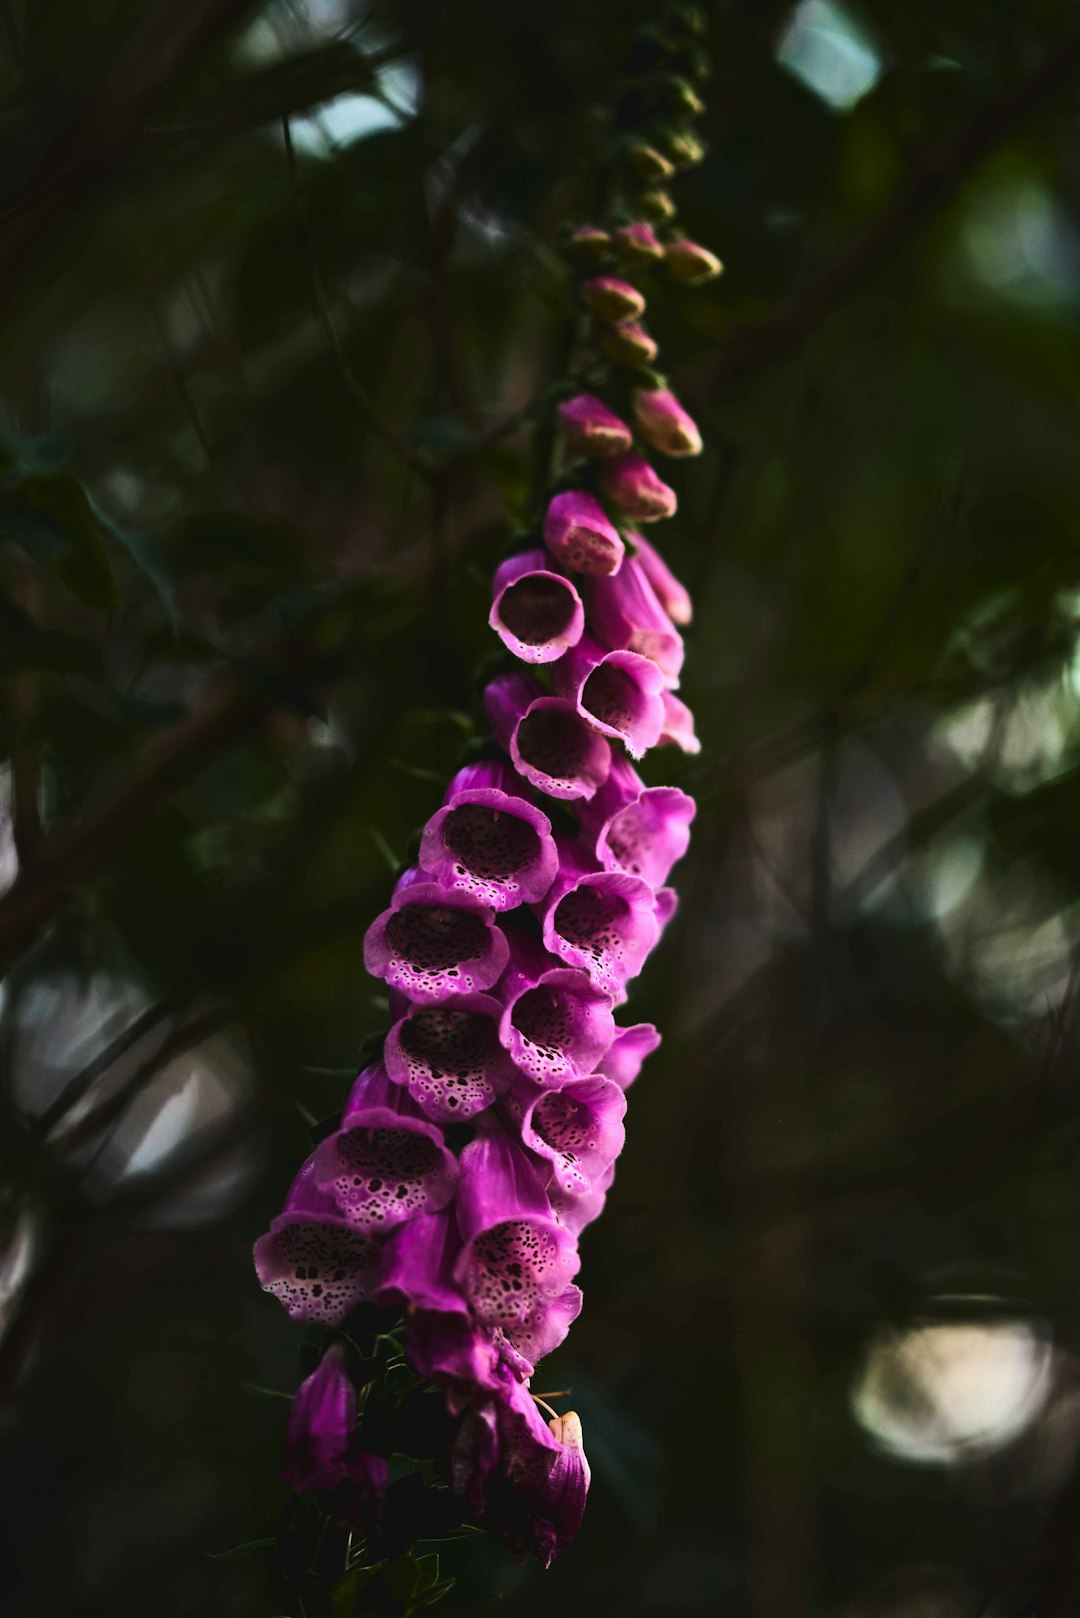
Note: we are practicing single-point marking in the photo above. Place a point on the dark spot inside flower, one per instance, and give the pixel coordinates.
(448, 1041)
(490, 842)
(612, 696)
(557, 743)
(433, 938)
(545, 1018)
(382, 1168)
(562, 1122)
(537, 610)
(591, 919)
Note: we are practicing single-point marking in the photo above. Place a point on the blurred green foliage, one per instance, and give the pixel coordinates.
(240, 636)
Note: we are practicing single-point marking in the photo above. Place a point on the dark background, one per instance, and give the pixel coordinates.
(828, 1357)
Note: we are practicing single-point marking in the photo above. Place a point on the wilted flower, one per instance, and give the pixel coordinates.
(581, 536)
(691, 263)
(322, 1425)
(591, 428)
(664, 424)
(612, 299)
(634, 487)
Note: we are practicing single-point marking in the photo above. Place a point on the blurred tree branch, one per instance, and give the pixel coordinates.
(754, 349)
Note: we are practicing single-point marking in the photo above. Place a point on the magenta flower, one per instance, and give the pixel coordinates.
(556, 1024)
(387, 1162)
(625, 612)
(433, 942)
(322, 1426)
(639, 829)
(624, 1057)
(678, 727)
(664, 424)
(577, 1129)
(580, 536)
(629, 344)
(620, 693)
(448, 1056)
(691, 263)
(537, 614)
(516, 1264)
(638, 243)
(489, 842)
(632, 485)
(312, 1259)
(550, 743)
(357, 1502)
(591, 428)
(673, 596)
(603, 922)
(612, 299)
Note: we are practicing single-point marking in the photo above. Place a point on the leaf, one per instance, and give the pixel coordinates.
(51, 518)
(149, 558)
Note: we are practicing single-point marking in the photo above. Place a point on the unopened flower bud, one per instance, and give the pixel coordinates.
(638, 243)
(647, 162)
(664, 424)
(579, 535)
(691, 263)
(634, 487)
(591, 428)
(685, 149)
(610, 298)
(680, 94)
(588, 243)
(629, 344)
(657, 205)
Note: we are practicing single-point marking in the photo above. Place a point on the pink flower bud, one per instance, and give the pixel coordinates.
(673, 596)
(664, 424)
(629, 344)
(691, 263)
(634, 487)
(588, 243)
(609, 298)
(591, 428)
(579, 534)
(638, 243)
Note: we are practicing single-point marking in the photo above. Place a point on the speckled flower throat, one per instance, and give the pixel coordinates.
(434, 1234)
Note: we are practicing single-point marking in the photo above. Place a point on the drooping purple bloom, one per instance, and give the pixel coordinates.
(556, 1024)
(488, 841)
(672, 595)
(357, 1501)
(580, 535)
(433, 942)
(312, 1259)
(632, 485)
(638, 243)
(619, 692)
(549, 742)
(664, 424)
(322, 1425)
(678, 726)
(449, 1057)
(611, 298)
(387, 1163)
(536, 613)
(624, 1057)
(591, 428)
(638, 829)
(604, 922)
(576, 1128)
(629, 344)
(625, 611)
(516, 1265)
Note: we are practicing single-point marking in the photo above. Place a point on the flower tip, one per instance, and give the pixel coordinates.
(612, 299)
(691, 263)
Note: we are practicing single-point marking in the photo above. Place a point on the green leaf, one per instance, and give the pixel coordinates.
(51, 518)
